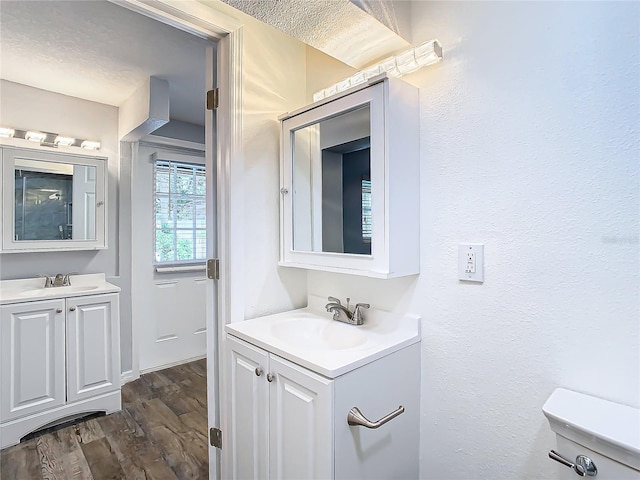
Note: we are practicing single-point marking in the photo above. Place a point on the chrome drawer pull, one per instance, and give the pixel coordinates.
(356, 418)
(583, 467)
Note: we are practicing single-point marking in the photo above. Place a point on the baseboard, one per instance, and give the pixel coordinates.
(172, 364)
(128, 376)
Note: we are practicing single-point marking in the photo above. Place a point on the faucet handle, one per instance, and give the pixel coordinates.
(358, 317)
(67, 281)
(334, 299)
(48, 281)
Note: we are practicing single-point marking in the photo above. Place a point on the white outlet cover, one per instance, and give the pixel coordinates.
(463, 258)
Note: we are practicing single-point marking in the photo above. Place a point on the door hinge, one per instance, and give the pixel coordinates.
(212, 99)
(213, 269)
(215, 437)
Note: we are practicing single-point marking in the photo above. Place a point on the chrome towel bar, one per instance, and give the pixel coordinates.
(356, 418)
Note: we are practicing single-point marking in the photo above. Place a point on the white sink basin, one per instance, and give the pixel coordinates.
(311, 338)
(32, 289)
(318, 333)
(57, 291)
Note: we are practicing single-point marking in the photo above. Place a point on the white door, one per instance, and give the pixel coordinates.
(169, 308)
(32, 357)
(93, 337)
(300, 423)
(247, 448)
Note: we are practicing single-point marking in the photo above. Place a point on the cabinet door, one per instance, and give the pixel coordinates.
(300, 423)
(32, 356)
(93, 339)
(248, 409)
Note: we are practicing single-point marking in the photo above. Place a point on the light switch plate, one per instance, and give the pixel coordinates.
(471, 262)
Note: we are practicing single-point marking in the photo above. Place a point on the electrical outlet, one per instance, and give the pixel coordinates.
(470, 267)
(471, 262)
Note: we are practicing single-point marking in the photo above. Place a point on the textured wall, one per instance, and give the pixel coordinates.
(529, 144)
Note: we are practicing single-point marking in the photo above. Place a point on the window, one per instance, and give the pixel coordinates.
(180, 223)
(366, 211)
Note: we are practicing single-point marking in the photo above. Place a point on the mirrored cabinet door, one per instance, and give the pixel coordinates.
(52, 201)
(341, 188)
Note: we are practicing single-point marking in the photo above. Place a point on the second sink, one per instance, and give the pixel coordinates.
(57, 291)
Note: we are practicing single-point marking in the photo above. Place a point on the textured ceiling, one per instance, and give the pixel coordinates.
(395, 14)
(101, 52)
(336, 27)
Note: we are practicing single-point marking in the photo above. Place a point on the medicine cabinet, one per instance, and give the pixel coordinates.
(350, 186)
(52, 201)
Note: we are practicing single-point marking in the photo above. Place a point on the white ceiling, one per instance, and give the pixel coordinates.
(101, 52)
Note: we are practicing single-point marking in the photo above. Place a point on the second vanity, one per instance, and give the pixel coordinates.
(59, 352)
(310, 397)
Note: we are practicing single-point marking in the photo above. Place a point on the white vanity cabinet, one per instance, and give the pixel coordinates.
(287, 422)
(58, 358)
(279, 415)
(350, 182)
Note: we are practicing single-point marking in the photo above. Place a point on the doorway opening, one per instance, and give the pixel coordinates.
(120, 261)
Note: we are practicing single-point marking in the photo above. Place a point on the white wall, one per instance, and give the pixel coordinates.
(529, 144)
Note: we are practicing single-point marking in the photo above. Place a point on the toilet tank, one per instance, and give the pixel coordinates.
(606, 432)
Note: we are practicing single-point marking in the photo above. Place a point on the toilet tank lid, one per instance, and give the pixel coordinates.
(603, 426)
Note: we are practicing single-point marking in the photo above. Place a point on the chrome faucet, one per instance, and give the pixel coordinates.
(343, 314)
(58, 281)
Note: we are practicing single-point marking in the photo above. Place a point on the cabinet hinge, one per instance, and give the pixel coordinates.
(213, 269)
(215, 437)
(212, 99)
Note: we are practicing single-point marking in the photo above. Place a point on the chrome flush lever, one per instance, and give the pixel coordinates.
(584, 466)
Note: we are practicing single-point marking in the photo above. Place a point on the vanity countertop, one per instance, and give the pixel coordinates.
(312, 339)
(32, 289)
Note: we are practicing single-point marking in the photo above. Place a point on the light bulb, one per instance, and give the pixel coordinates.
(35, 136)
(64, 141)
(90, 145)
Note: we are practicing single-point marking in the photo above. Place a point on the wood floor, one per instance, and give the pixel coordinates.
(160, 434)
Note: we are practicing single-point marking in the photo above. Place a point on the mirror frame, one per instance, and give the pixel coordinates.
(7, 207)
(376, 263)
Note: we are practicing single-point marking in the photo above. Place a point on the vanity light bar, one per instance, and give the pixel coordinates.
(49, 139)
(407, 62)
